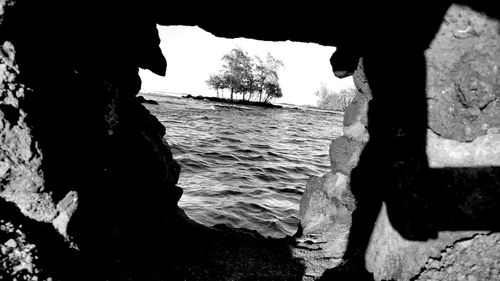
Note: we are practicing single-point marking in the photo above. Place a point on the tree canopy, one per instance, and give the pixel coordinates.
(250, 77)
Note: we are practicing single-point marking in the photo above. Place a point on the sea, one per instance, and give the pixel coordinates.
(245, 166)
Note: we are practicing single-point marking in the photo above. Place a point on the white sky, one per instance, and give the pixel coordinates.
(192, 54)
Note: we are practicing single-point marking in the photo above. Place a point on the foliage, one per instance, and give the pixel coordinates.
(249, 77)
(216, 82)
(331, 100)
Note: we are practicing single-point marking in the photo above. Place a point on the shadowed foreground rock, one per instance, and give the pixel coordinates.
(435, 206)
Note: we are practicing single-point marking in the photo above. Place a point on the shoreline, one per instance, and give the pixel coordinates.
(229, 101)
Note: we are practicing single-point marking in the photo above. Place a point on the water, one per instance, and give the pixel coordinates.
(245, 166)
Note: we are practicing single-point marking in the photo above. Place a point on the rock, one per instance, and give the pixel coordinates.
(20, 157)
(344, 61)
(326, 201)
(359, 77)
(11, 243)
(142, 99)
(391, 257)
(344, 154)
(78, 136)
(477, 259)
(357, 131)
(481, 152)
(356, 112)
(325, 217)
(463, 62)
(317, 211)
(18, 256)
(320, 252)
(66, 207)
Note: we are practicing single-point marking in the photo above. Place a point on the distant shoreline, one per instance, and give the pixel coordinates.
(238, 102)
(229, 101)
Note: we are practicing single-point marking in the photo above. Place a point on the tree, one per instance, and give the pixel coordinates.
(266, 77)
(331, 100)
(238, 71)
(216, 82)
(273, 90)
(244, 75)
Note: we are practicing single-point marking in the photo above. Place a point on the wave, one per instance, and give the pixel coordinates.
(246, 168)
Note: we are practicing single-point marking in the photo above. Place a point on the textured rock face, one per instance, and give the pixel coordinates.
(482, 151)
(462, 187)
(77, 149)
(475, 258)
(20, 158)
(392, 257)
(327, 203)
(17, 256)
(463, 76)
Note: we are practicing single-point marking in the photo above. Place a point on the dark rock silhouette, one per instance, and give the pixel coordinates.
(142, 99)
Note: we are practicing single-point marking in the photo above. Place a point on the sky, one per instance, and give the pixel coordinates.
(193, 54)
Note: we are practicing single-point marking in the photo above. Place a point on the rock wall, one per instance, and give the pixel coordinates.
(78, 150)
(462, 92)
(327, 204)
(432, 181)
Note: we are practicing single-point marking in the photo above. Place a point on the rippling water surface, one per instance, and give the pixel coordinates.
(245, 166)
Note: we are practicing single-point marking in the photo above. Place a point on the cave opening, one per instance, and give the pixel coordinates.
(77, 139)
(242, 165)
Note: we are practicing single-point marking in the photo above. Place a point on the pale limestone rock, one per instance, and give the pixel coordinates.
(344, 154)
(483, 151)
(357, 131)
(66, 207)
(391, 257)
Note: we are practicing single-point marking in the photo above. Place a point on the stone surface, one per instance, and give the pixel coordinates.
(322, 251)
(72, 132)
(18, 255)
(325, 217)
(344, 154)
(474, 258)
(326, 201)
(481, 152)
(459, 194)
(356, 111)
(20, 158)
(391, 257)
(66, 207)
(317, 210)
(463, 87)
(357, 131)
(361, 83)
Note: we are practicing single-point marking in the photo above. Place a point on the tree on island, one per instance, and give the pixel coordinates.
(216, 82)
(331, 100)
(247, 76)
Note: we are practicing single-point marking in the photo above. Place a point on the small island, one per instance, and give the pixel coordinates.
(235, 101)
(254, 80)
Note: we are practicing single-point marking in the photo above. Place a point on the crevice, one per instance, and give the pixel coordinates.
(10, 113)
